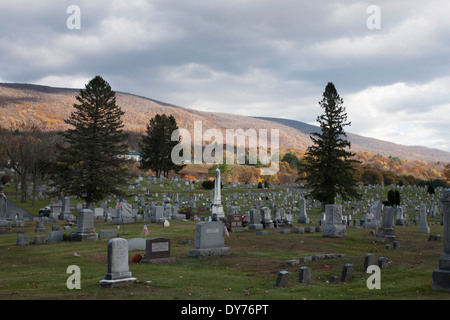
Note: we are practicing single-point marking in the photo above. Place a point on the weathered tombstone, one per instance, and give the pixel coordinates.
(303, 217)
(65, 213)
(136, 244)
(334, 227)
(5, 225)
(55, 236)
(400, 219)
(23, 240)
(382, 262)
(107, 233)
(39, 239)
(157, 214)
(98, 212)
(209, 240)
(441, 277)
(347, 272)
(266, 220)
(40, 227)
(255, 220)
(118, 273)
(386, 231)
(125, 214)
(423, 227)
(304, 275)
(369, 260)
(85, 230)
(283, 278)
(157, 250)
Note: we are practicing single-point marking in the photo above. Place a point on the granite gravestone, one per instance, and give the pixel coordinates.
(118, 273)
(209, 240)
(85, 230)
(334, 227)
(255, 220)
(157, 250)
(235, 222)
(5, 225)
(303, 217)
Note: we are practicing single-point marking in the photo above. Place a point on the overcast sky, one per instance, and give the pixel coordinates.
(390, 63)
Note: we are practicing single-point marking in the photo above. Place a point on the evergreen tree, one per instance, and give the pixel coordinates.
(156, 146)
(91, 161)
(327, 164)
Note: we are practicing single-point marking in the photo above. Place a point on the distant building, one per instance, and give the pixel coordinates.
(133, 155)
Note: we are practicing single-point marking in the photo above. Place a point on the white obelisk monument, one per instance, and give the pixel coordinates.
(217, 209)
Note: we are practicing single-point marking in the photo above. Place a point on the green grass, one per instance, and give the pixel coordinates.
(38, 272)
(247, 273)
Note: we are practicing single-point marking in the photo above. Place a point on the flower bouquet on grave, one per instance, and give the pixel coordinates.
(137, 258)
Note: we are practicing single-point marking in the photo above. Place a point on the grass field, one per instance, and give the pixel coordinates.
(247, 273)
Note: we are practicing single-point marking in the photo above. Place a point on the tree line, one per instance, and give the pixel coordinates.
(88, 159)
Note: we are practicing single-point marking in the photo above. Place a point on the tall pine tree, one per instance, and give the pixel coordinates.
(327, 164)
(91, 160)
(156, 146)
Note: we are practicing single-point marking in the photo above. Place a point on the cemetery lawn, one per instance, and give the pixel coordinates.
(38, 271)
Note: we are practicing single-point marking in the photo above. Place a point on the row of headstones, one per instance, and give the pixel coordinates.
(56, 235)
(305, 273)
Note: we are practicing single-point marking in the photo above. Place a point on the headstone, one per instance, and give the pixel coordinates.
(23, 240)
(334, 227)
(382, 262)
(255, 220)
(347, 272)
(118, 273)
(423, 227)
(282, 278)
(157, 250)
(40, 227)
(98, 212)
(369, 260)
(65, 213)
(55, 236)
(39, 239)
(85, 229)
(107, 233)
(125, 214)
(5, 225)
(266, 219)
(136, 244)
(235, 222)
(441, 277)
(303, 217)
(304, 275)
(209, 240)
(386, 230)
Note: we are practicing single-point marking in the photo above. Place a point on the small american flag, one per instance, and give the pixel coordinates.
(146, 229)
(119, 204)
(369, 215)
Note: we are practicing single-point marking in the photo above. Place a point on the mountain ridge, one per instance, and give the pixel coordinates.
(51, 105)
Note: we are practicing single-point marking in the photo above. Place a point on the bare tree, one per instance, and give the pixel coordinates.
(23, 145)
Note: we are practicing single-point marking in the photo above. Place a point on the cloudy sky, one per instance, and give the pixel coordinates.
(389, 60)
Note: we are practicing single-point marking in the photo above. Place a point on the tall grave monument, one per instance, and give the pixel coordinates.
(209, 235)
(217, 208)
